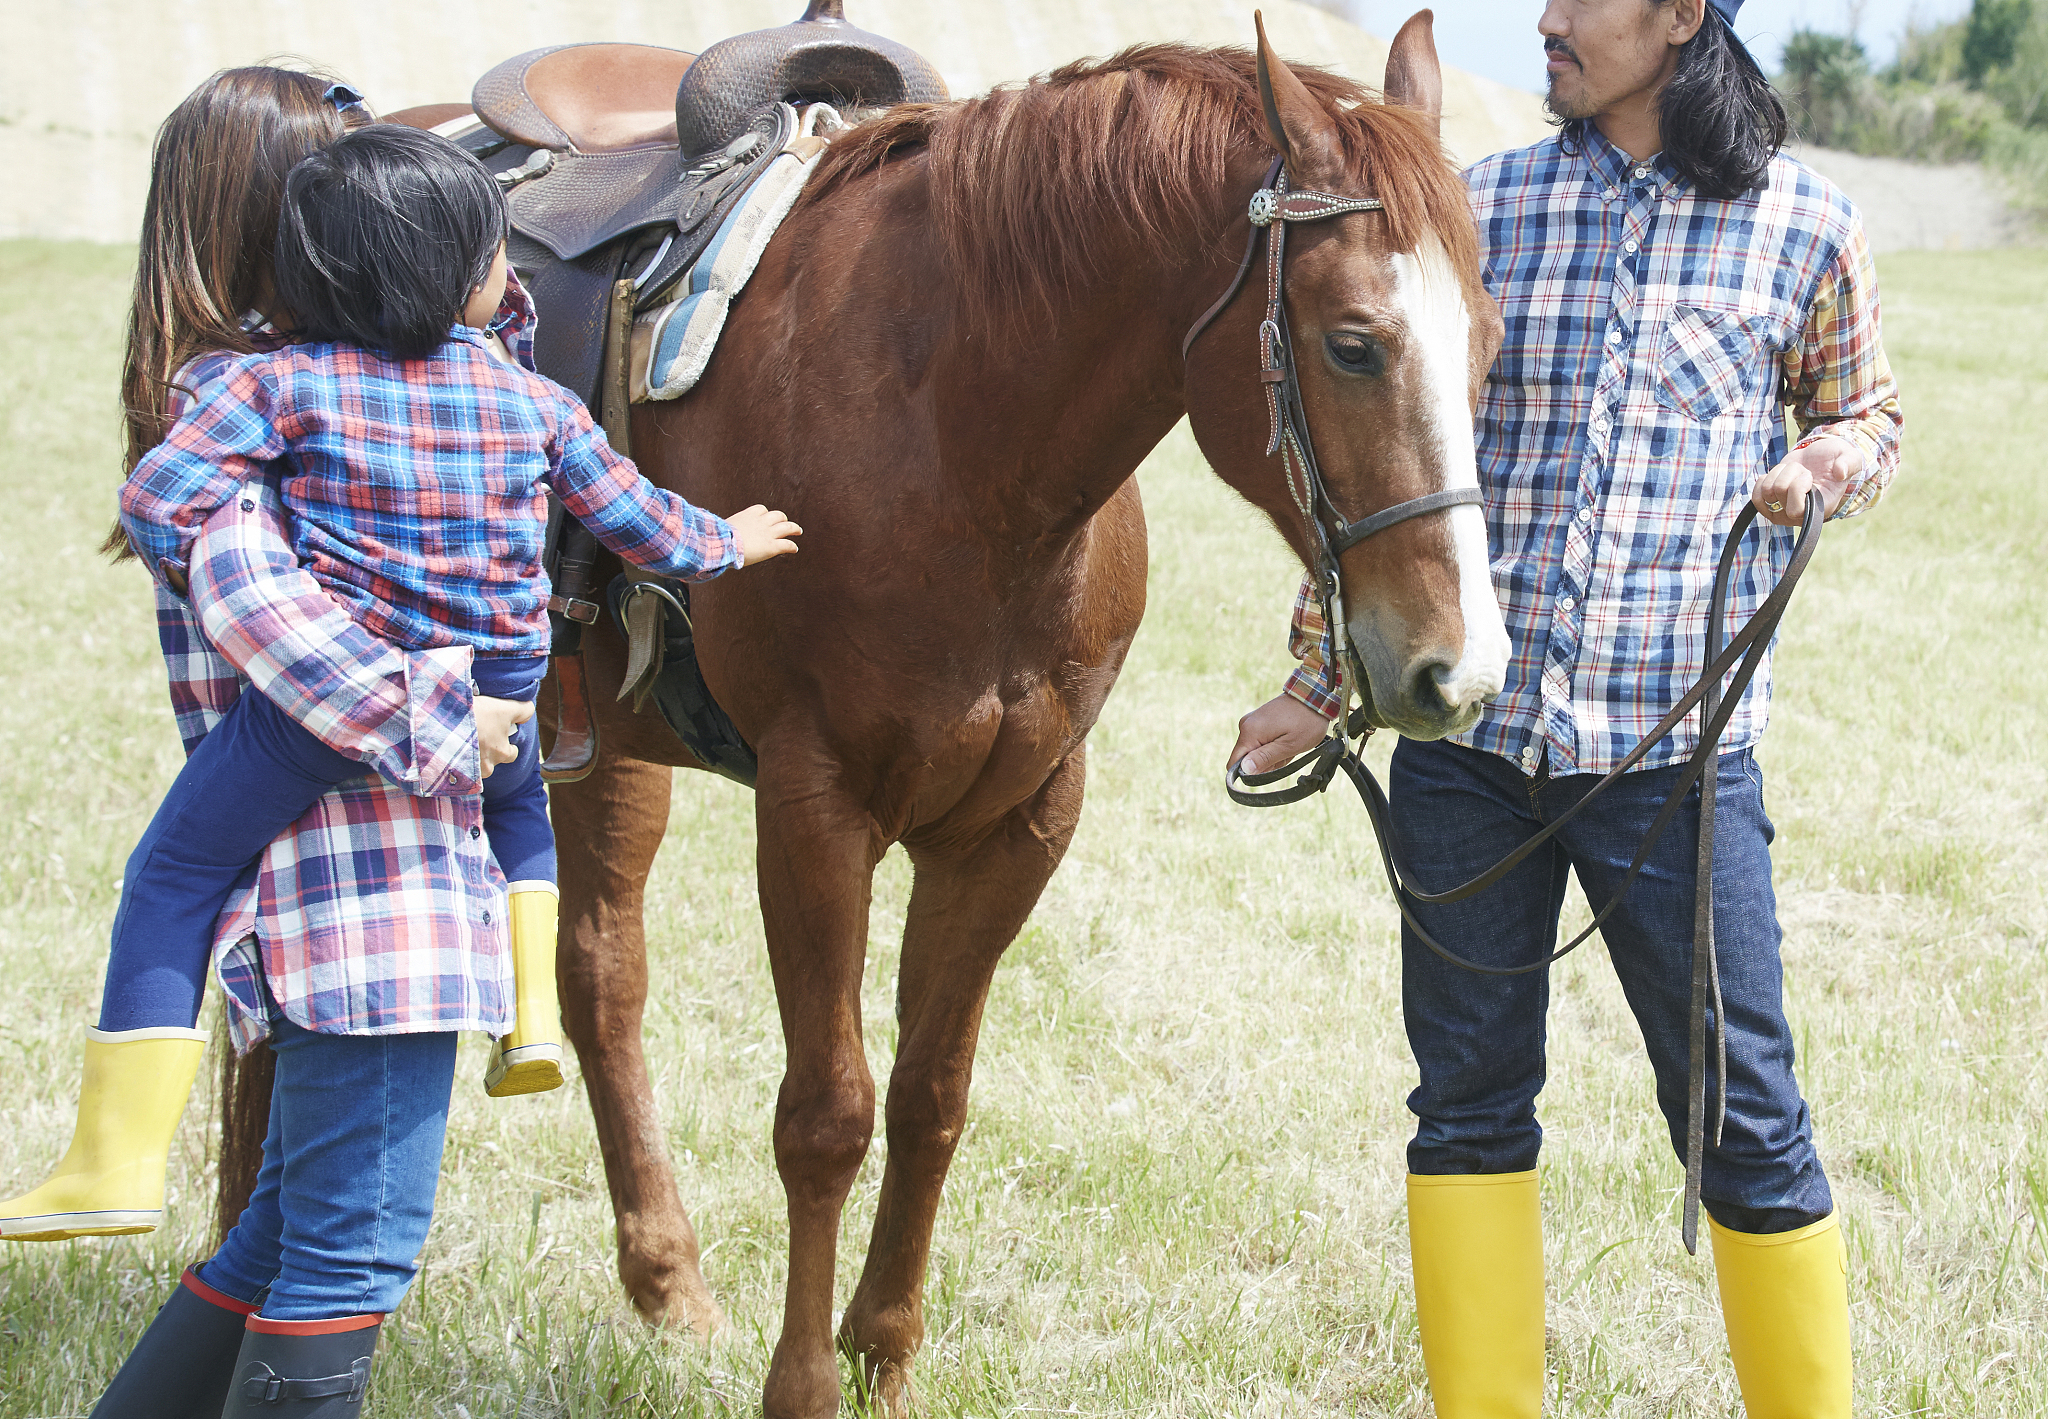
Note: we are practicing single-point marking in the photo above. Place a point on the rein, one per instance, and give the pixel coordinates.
(1272, 206)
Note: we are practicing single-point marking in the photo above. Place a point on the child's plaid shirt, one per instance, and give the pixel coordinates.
(417, 488)
(1654, 338)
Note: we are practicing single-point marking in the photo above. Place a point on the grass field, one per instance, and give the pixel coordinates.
(1181, 1187)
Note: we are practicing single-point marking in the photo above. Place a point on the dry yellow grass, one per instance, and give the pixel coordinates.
(1180, 1192)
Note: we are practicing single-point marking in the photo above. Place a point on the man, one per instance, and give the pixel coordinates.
(1668, 281)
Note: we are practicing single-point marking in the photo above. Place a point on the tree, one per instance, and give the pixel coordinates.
(1826, 79)
(1992, 37)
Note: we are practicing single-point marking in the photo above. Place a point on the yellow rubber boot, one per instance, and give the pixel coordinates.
(529, 1060)
(1785, 1301)
(1477, 1244)
(111, 1180)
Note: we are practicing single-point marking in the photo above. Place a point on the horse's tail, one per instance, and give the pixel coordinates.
(245, 1082)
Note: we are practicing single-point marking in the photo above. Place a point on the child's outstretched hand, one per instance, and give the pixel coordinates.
(764, 534)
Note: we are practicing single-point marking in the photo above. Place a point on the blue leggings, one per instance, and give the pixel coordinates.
(250, 779)
(350, 1164)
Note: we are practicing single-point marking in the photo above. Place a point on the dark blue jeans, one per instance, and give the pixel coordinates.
(1479, 1040)
(350, 1165)
(248, 780)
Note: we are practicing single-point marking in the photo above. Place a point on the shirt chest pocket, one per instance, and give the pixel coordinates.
(1709, 361)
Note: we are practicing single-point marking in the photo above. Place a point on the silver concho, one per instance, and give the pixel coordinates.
(1265, 207)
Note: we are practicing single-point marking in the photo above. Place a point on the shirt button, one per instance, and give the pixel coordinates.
(1614, 336)
(1529, 757)
(1629, 245)
(487, 918)
(1611, 194)
(476, 832)
(1600, 425)
(1643, 171)
(1565, 603)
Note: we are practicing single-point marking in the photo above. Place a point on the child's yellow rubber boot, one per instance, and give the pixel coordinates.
(111, 1180)
(529, 1060)
(1477, 1244)
(1785, 1301)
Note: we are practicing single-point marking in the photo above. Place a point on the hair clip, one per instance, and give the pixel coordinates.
(344, 98)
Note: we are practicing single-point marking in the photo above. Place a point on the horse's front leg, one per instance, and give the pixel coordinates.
(817, 854)
(607, 829)
(968, 904)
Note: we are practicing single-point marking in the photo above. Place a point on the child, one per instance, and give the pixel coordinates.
(416, 467)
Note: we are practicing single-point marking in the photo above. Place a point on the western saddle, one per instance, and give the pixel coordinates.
(619, 162)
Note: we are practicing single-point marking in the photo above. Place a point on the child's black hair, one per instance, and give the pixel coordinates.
(384, 234)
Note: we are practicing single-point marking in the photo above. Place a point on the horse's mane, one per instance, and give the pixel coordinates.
(1024, 180)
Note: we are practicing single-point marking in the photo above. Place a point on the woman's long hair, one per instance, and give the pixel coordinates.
(1719, 117)
(209, 229)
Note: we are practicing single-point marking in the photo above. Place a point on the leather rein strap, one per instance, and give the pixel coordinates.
(1272, 207)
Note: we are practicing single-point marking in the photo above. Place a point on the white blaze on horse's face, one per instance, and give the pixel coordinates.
(1440, 325)
(1419, 603)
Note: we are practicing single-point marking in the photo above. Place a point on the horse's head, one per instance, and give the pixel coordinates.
(1392, 334)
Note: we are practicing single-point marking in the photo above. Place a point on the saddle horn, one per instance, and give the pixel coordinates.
(821, 58)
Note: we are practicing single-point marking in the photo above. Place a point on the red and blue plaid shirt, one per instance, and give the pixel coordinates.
(417, 488)
(381, 910)
(1654, 339)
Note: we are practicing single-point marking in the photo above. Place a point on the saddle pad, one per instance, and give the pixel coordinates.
(672, 343)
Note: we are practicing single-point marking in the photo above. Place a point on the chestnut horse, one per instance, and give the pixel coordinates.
(949, 363)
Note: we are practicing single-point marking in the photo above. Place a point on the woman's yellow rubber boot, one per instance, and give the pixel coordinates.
(1477, 1244)
(529, 1060)
(111, 1180)
(1785, 1301)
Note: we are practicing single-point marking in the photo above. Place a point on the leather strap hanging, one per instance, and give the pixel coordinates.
(574, 752)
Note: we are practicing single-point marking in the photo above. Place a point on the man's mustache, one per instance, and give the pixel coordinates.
(1558, 49)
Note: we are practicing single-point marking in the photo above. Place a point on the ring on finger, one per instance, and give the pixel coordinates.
(1775, 506)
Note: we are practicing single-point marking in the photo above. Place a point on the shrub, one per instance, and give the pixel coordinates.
(1972, 91)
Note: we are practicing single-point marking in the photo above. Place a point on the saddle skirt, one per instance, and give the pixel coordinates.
(672, 342)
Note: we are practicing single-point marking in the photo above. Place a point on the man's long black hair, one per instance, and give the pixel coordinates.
(1720, 119)
(382, 236)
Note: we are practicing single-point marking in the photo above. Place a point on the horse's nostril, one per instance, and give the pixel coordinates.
(1431, 687)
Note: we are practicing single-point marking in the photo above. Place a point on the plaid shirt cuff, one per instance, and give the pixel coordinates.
(1868, 486)
(1313, 688)
(1308, 639)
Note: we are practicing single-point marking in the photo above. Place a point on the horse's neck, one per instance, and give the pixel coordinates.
(1074, 398)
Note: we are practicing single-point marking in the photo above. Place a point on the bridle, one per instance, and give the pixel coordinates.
(1273, 206)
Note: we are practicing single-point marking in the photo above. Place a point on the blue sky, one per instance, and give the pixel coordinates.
(1497, 38)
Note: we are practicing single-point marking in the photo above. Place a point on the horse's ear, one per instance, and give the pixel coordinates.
(1414, 78)
(1300, 128)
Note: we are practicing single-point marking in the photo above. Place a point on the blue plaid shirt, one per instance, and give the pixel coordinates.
(1654, 338)
(417, 488)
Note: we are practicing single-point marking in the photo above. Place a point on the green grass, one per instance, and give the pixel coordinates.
(1180, 1190)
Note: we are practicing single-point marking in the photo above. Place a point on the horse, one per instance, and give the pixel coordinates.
(953, 356)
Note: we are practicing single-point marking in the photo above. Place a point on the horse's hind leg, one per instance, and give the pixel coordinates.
(607, 829)
(966, 907)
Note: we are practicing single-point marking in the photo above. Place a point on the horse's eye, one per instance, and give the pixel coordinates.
(1357, 354)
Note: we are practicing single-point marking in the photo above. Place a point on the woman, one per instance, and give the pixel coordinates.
(374, 931)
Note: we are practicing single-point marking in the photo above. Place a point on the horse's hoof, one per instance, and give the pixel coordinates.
(801, 1388)
(889, 1393)
(682, 1308)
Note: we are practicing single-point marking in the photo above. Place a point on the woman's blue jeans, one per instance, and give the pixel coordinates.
(350, 1165)
(1479, 1040)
